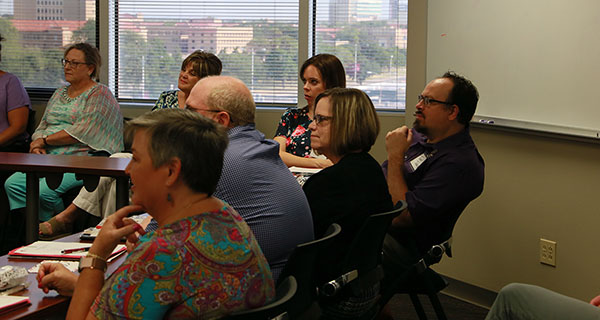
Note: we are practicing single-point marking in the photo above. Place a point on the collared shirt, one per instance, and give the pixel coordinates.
(442, 179)
(258, 185)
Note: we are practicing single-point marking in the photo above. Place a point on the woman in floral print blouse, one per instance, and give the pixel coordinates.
(319, 73)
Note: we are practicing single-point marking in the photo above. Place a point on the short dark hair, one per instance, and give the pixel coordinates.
(204, 63)
(354, 123)
(463, 94)
(91, 54)
(198, 142)
(330, 67)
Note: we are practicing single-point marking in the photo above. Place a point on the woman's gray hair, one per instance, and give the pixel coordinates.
(199, 143)
(91, 54)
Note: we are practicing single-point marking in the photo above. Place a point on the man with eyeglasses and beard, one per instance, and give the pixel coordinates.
(435, 167)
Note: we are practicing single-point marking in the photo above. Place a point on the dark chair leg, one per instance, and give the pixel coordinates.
(418, 307)
(437, 306)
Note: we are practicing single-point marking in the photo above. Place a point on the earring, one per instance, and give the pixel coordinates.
(169, 198)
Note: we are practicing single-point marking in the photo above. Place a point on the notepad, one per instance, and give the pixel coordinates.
(91, 233)
(9, 303)
(53, 249)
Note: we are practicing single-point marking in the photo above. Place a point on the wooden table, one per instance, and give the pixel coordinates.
(44, 305)
(52, 167)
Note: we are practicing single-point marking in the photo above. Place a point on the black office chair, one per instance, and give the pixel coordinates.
(361, 267)
(276, 310)
(420, 279)
(303, 264)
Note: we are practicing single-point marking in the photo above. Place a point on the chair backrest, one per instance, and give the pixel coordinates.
(302, 264)
(31, 124)
(274, 310)
(365, 251)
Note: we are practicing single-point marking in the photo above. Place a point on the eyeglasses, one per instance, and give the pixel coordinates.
(208, 110)
(319, 118)
(198, 110)
(73, 64)
(428, 101)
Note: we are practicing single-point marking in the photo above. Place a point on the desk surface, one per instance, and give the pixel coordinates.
(51, 304)
(30, 162)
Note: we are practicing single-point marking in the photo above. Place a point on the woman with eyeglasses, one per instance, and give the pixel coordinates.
(344, 128)
(14, 113)
(101, 202)
(197, 65)
(321, 72)
(80, 117)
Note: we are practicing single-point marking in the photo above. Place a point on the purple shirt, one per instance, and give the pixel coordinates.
(440, 187)
(12, 96)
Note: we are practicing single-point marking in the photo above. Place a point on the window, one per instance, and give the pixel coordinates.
(36, 36)
(257, 41)
(369, 37)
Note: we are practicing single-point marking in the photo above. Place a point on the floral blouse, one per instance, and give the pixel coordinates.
(167, 99)
(294, 127)
(93, 118)
(201, 267)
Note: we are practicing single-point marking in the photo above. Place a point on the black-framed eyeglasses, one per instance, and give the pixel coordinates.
(73, 64)
(198, 110)
(428, 101)
(208, 110)
(319, 118)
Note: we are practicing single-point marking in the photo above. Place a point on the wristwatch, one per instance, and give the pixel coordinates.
(92, 263)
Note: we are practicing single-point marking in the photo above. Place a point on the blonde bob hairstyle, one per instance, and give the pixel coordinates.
(354, 123)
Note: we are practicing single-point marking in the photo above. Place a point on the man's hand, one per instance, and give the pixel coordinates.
(397, 142)
(54, 276)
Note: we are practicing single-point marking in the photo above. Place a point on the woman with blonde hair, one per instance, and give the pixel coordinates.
(344, 128)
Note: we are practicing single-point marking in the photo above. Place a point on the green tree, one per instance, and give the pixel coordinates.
(87, 33)
(161, 67)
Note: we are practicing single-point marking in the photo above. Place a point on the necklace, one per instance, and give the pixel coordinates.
(191, 204)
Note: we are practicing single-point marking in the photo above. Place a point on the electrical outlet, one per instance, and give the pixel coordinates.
(548, 252)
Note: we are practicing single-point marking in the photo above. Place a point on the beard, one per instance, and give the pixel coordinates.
(419, 128)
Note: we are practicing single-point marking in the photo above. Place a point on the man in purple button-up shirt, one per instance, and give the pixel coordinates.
(435, 167)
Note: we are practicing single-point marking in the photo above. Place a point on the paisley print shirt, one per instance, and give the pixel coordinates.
(201, 267)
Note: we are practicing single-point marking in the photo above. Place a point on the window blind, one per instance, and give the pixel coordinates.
(36, 33)
(257, 41)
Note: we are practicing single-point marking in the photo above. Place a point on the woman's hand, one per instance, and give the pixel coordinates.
(54, 276)
(323, 163)
(37, 146)
(596, 301)
(114, 228)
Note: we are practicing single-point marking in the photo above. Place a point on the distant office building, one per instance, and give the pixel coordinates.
(53, 10)
(348, 11)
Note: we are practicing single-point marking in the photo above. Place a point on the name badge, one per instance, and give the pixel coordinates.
(416, 162)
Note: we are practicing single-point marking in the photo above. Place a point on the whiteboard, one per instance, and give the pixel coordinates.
(536, 63)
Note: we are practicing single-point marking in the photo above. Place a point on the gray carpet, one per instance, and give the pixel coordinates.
(455, 309)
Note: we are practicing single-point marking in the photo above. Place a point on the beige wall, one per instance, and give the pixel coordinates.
(535, 187)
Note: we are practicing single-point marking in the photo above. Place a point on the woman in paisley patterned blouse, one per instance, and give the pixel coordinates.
(203, 261)
(197, 65)
(319, 73)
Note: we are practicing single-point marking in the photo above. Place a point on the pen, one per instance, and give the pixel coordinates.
(75, 250)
